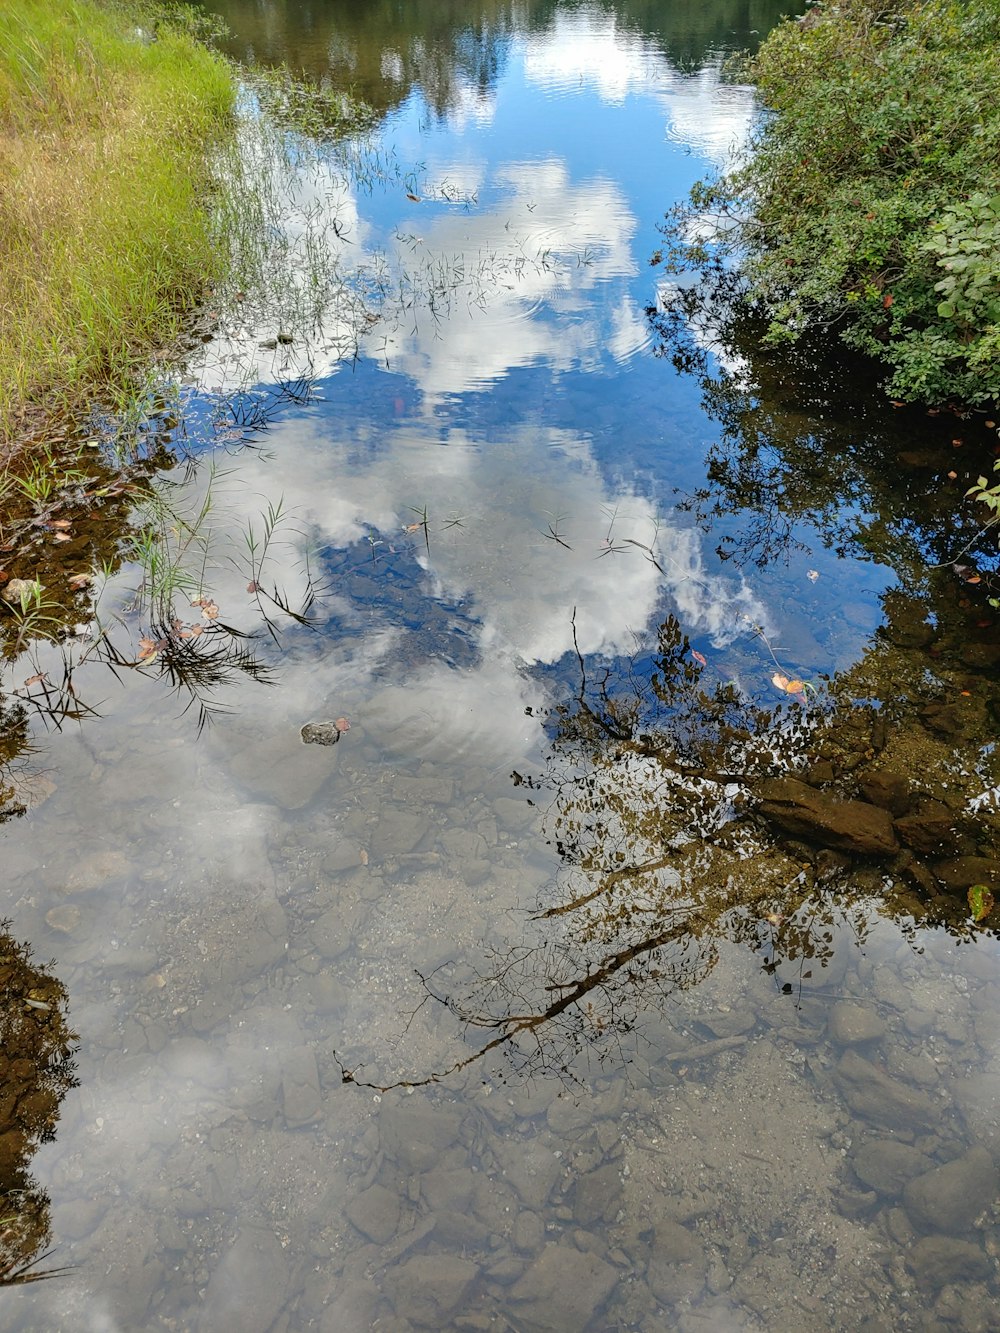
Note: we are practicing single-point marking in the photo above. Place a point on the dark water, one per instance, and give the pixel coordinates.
(542, 999)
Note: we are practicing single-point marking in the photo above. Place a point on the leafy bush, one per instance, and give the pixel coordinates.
(864, 201)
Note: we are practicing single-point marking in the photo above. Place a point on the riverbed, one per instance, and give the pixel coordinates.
(605, 955)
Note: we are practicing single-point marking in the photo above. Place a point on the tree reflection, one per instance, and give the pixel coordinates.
(36, 1072)
(383, 51)
(655, 798)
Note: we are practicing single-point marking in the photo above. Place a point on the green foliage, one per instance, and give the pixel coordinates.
(105, 239)
(864, 202)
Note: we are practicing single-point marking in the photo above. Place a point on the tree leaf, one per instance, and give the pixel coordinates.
(980, 902)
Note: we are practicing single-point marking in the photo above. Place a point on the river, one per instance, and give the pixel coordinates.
(614, 948)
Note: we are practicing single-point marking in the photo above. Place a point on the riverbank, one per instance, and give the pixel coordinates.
(107, 120)
(864, 205)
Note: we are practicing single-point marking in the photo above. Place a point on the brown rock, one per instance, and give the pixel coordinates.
(890, 791)
(961, 872)
(850, 826)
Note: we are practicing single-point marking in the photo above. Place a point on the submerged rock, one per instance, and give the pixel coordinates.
(937, 1260)
(430, 1287)
(850, 826)
(888, 1166)
(871, 1093)
(951, 1197)
(562, 1290)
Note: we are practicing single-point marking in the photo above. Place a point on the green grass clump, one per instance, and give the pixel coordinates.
(867, 201)
(105, 237)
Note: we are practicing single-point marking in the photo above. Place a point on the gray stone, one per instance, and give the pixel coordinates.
(398, 831)
(73, 1221)
(849, 826)
(852, 1023)
(950, 1198)
(248, 1288)
(447, 1189)
(562, 1290)
(515, 815)
(63, 919)
(334, 932)
(353, 1307)
(258, 941)
(429, 1288)
(597, 1196)
(871, 1093)
(677, 1265)
(460, 1230)
(279, 769)
(888, 1166)
(415, 1133)
(376, 1213)
(937, 1260)
(529, 1232)
(300, 1095)
(532, 1168)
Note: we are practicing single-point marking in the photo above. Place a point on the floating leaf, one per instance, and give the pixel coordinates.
(253, 586)
(342, 724)
(196, 630)
(980, 902)
(34, 680)
(61, 523)
(699, 657)
(209, 609)
(61, 537)
(80, 580)
(413, 198)
(812, 575)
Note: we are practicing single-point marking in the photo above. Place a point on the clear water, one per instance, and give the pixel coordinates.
(494, 1014)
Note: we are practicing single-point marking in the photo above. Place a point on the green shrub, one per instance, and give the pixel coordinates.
(865, 202)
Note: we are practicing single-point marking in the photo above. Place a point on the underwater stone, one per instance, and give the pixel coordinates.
(937, 1260)
(951, 1197)
(562, 1290)
(850, 826)
(430, 1287)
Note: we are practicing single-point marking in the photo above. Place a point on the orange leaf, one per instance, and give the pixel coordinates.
(698, 657)
(887, 300)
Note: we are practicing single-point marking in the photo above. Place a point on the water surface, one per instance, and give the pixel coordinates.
(501, 1012)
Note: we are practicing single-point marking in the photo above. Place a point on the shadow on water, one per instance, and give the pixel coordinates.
(36, 1072)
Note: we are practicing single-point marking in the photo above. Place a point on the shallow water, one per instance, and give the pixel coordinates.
(500, 1012)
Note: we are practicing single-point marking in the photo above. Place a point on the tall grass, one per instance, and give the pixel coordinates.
(105, 241)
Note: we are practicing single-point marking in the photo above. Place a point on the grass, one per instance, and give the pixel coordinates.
(105, 238)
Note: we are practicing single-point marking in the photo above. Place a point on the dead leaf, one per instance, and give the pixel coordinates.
(812, 575)
(413, 527)
(413, 198)
(195, 630)
(887, 300)
(61, 537)
(789, 685)
(148, 649)
(363, 857)
(209, 609)
(253, 586)
(699, 657)
(80, 580)
(34, 680)
(342, 724)
(60, 523)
